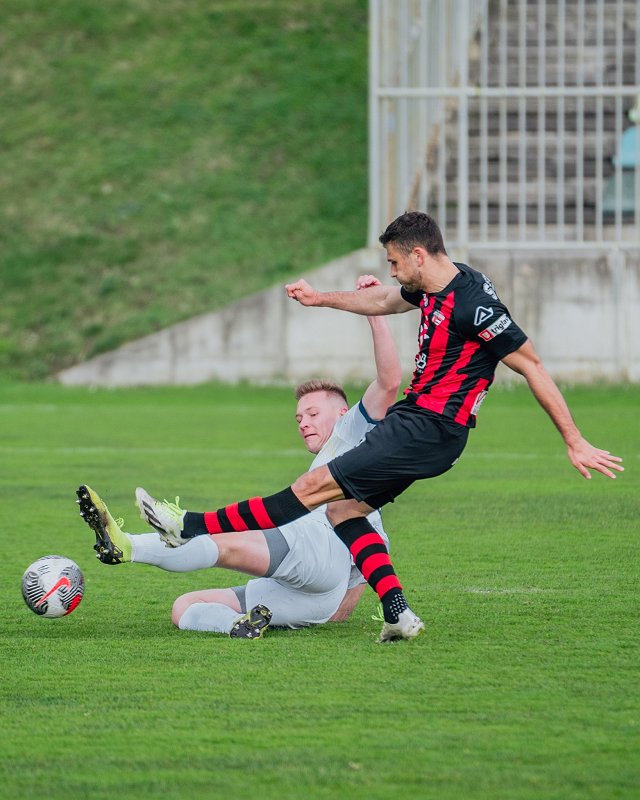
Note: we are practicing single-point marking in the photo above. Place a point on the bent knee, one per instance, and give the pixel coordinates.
(180, 605)
(317, 487)
(346, 509)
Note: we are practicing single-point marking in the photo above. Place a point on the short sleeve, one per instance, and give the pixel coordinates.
(489, 322)
(415, 298)
(353, 426)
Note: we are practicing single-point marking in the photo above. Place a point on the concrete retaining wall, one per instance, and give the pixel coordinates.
(582, 311)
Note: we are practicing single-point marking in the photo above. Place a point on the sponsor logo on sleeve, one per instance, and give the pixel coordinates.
(501, 324)
(437, 317)
(482, 315)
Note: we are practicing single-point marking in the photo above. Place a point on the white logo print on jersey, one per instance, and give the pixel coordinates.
(478, 403)
(421, 362)
(482, 315)
(437, 317)
(501, 324)
(422, 333)
(488, 287)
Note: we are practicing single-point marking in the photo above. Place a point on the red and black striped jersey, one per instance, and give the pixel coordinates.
(464, 332)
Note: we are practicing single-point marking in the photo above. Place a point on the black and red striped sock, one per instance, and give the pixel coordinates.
(258, 513)
(371, 557)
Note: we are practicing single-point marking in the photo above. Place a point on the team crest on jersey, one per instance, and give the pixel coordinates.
(482, 315)
(488, 287)
(501, 324)
(437, 317)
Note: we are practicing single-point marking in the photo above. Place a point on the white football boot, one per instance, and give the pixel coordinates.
(167, 518)
(408, 626)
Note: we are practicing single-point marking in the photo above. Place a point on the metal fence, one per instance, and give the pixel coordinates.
(512, 122)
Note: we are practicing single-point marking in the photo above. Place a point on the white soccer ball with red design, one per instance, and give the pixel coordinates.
(53, 586)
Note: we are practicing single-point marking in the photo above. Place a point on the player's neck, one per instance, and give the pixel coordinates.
(441, 271)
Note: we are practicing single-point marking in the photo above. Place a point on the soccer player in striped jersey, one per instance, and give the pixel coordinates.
(465, 331)
(303, 574)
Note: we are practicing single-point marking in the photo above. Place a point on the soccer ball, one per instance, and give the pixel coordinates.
(53, 586)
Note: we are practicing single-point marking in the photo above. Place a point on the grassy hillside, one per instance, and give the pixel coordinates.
(158, 160)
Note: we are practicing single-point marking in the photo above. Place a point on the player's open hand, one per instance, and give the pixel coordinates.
(303, 292)
(364, 281)
(585, 456)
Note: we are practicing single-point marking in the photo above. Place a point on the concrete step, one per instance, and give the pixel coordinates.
(492, 194)
(494, 156)
(607, 35)
(573, 18)
(512, 218)
(567, 73)
(550, 170)
(550, 140)
(550, 125)
(591, 113)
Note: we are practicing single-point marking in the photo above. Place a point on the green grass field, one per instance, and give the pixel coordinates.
(525, 684)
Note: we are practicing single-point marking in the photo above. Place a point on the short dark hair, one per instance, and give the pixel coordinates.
(414, 229)
(318, 385)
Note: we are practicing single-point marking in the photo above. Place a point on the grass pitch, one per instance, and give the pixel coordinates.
(523, 686)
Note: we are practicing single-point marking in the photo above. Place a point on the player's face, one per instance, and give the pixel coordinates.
(404, 267)
(316, 414)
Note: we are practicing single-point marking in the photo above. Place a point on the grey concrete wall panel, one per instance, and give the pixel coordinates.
(582, 311)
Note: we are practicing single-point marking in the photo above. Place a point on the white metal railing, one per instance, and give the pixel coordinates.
(503, 119)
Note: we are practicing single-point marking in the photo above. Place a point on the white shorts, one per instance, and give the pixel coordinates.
(308, 586)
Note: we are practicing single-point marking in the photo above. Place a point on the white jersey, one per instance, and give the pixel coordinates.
(348, 432)
(310, 582)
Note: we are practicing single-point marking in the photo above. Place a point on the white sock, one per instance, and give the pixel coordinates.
(200, 553)
(213, 617)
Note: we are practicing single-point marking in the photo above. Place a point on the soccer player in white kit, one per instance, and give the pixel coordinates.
(304, 574)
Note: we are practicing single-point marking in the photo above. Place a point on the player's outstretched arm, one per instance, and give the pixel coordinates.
(382, 392)
(375, 301)
(583, 455)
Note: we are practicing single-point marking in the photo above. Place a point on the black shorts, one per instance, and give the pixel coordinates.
(410, 443)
